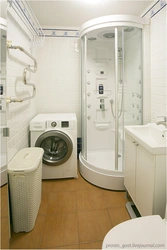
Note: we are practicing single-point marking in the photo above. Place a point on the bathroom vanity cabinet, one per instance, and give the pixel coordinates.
(145, 178)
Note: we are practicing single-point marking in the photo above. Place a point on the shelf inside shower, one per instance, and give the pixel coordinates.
(101, 59)
(99, 109)
(102, 125)
(105, 95)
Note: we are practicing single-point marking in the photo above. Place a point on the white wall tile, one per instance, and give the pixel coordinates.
(160, 82)
(59, 78)
(159, 65)
(18, 114)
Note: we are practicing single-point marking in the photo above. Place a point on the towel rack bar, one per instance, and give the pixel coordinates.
(28, 68)
(17, 99)
(10, 46)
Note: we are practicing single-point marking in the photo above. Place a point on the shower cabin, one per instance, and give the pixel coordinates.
(112, 95)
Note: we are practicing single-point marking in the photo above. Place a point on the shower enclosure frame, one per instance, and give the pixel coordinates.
(109, 179)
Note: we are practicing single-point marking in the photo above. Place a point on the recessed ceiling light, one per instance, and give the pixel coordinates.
(92, 1)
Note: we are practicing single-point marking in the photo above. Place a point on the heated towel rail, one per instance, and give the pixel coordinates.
(30, 68)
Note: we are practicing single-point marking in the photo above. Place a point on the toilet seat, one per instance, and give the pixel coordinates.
(148, 230)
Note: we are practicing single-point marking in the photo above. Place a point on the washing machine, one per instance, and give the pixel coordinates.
(57, 135)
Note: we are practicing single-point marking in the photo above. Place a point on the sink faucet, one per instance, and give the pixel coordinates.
(164, 122)
(164, 133)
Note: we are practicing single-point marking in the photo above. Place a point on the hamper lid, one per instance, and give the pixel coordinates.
(26, 160)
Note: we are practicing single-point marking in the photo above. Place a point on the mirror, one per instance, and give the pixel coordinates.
(3, 145)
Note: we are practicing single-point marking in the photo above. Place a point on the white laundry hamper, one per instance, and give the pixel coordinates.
(25, 184)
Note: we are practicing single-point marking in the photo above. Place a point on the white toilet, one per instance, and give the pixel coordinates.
(148, 232)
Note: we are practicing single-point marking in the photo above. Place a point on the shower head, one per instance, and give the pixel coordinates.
(109, 35)
(106, 34)
(129, 29)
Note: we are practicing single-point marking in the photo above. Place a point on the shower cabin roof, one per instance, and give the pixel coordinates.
(111, 21)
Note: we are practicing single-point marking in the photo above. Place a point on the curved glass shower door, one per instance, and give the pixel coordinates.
(111, 99)
(119, 96)
(83, 94)
(4, 131)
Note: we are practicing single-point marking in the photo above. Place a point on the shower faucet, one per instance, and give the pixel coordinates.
(102, 105)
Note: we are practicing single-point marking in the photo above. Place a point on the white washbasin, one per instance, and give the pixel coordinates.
(151, 136)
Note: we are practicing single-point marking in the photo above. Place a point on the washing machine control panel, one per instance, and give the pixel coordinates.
(64, 124)
(53, 124)
(60, 124)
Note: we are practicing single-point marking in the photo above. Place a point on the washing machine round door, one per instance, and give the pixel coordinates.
(57, 147)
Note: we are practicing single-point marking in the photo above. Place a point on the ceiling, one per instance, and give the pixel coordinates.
(73, 13)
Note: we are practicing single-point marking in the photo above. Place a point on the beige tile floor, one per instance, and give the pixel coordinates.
(73, 215)
(4, 218)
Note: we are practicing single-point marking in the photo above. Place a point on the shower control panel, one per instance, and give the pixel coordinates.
(101, 72)
(101, 89)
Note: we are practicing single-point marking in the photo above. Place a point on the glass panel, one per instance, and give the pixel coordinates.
(120, 99)
(100, 94)
(83, 104)
(116, 99)
(133, 76)
(55, 149)
(3, 145)
(5, 221)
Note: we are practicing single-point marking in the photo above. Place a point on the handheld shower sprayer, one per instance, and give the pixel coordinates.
(112, 102)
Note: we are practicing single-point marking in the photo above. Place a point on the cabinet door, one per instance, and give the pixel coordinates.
(130, 165)
(144, 181)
